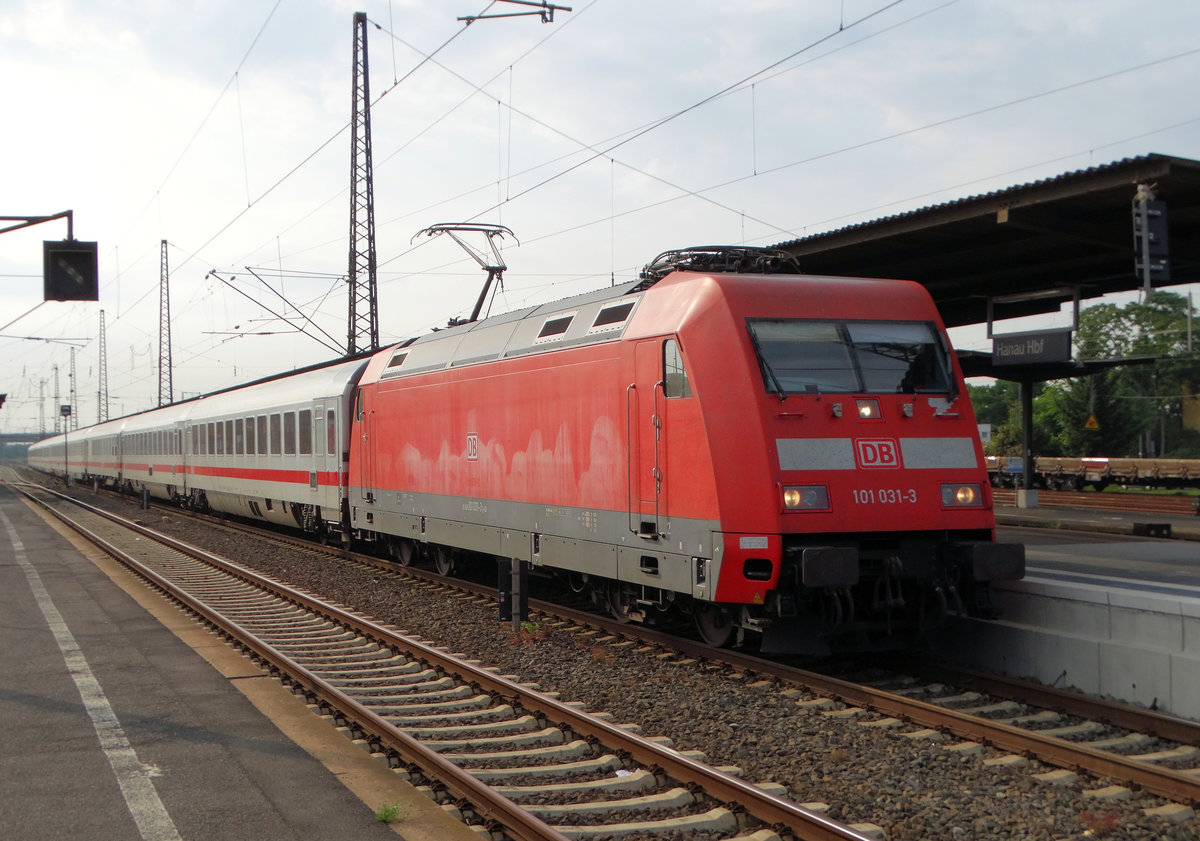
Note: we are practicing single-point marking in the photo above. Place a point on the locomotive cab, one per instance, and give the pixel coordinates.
(855, 507)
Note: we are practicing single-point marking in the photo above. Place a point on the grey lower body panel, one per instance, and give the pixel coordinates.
(588, 541)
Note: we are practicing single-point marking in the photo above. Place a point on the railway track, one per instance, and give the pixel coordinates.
(1120, 749)
(1177, 505)
(515, 761)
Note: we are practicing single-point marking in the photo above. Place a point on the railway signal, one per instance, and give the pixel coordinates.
(70, 271)
(69, 266)
(1150, 247)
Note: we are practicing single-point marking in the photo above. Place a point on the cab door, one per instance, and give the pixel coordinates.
(647, 441)
(365, 426)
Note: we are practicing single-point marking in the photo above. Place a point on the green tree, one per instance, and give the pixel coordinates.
(1097, 416)
(1137, 404)
(992, 402)
(1007, 435)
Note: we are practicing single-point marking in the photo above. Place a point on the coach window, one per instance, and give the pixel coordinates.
(262, 435)
(674, 375)
(239, 437)
(289, 433)
(276, 435)
(249, 436)
(220, 438)
(305, 431)
(212, 440)
(229, 437)
(331, 432)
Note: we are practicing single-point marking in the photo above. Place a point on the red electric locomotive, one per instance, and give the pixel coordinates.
(772, 453)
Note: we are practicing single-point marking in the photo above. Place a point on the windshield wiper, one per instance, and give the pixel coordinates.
(767, 365)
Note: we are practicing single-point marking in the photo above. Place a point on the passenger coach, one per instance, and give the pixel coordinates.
(274, 450)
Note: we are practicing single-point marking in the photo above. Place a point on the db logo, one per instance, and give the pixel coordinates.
(472, 447)
(877, 452)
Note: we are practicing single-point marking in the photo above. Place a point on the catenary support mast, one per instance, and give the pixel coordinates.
(363, 333)
(102, 391)
(166, 388)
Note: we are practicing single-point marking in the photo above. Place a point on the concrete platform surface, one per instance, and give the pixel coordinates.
(117, 727)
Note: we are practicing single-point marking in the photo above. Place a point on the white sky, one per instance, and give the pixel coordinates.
(220, 127)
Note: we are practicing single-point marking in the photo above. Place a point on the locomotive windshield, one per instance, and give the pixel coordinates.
(798, 356)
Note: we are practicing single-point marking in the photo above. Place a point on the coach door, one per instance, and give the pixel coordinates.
(644, 404)
(324, 469)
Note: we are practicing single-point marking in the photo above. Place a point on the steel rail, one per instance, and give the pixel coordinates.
(1061, 753)
(772, 810)
(1164, 782)
(1051, 750)
(1155, 723)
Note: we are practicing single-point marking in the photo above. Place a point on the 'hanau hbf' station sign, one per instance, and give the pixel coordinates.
(1037, 346)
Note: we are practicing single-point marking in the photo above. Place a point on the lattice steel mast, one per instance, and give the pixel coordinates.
(57, 402)
(102, 391)
(363, 333)
(166, 389)
(73, 422)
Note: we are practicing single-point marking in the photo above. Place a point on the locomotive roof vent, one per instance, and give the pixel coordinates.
(723, 259)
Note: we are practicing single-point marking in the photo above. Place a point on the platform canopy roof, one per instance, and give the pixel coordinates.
(1037, 242)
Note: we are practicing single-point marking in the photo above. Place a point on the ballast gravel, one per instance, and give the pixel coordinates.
(916, 790)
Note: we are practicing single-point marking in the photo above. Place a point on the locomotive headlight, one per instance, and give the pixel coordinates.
(805, 498)
(967, 495)
(868, 409)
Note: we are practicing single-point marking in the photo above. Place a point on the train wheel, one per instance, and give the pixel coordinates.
(405, 552)
(714, 624)
(445, 560)
(622, 603)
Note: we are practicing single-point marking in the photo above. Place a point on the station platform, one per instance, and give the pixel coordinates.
(1101, 522)
(124, 719)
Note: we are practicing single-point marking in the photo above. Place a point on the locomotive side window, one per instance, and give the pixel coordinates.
(554, 328)
(799, 356)
(675, 376)
(276, 435)
(304, 419)
(611, 318)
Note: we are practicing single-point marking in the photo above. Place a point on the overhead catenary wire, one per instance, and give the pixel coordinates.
(546, 235)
